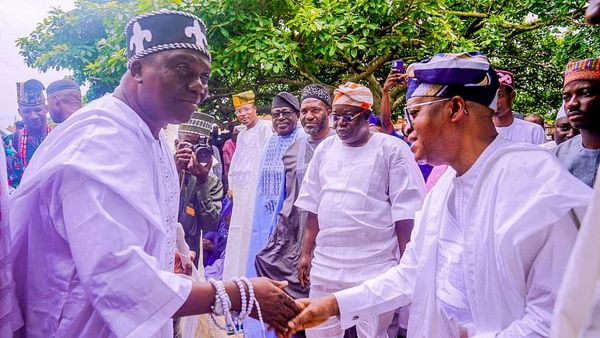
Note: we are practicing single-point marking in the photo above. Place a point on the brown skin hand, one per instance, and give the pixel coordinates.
(395, 78)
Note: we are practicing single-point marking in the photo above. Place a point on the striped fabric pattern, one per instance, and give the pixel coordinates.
(353, 94)
(587, 69)
(467, 74)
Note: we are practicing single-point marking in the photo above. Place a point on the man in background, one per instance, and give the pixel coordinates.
(22, 144)
(64, 98)
(507, 125)
(201, 190)
(243, 176)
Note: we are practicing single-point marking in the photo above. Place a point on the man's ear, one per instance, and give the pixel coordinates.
(135, 69)
(459, 108)
(513, 94)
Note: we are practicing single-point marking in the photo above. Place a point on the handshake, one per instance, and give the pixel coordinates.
(284, 314)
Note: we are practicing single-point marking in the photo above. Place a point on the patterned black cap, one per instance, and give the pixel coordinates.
(316, 91)
(164, 30)
(30, 93)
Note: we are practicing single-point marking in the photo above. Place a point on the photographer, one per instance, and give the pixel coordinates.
(201, 189)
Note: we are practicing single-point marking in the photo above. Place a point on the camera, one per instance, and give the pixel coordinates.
(203, 150)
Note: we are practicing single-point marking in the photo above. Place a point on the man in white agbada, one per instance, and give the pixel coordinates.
(490, 245)
(9, 314)
(93, 223)
(577, 311)
(362, 191)
(243, 181)
(507, 125)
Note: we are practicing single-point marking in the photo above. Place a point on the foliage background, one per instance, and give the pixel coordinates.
(274, 45)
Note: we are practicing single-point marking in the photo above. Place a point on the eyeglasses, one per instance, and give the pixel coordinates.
(244, 110)
(408, 108)
(345, 117)
(285, 113)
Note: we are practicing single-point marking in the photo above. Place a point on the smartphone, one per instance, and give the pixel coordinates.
(398, 65)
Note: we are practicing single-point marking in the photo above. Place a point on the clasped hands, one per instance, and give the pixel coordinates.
(286, 315)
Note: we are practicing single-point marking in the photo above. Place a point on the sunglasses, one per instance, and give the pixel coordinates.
(244, 110)
(345, 117)
(285, 113)
(407, 109)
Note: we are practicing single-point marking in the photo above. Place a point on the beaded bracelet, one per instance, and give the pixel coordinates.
(222, 303)
(254, 301)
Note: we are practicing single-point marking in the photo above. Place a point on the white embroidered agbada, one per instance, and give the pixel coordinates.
(93, 224)
(243, 181)
(516, 243)
(577, 311)
(9, 311)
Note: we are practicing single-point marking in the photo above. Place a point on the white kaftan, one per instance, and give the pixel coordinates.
(9, 311)
(358, 193)
(243, 181)
(523, 132)
(577, 311)
(93, 224)
(516, 244)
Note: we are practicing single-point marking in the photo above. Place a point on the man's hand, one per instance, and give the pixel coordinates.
(276, 306)
(394, 78)
(187, 269)
(183, 155)
(304, 265)
(208, 245)
(199, 170)
(315, 312)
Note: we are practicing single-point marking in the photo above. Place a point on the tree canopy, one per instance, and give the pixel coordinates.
(274, 45)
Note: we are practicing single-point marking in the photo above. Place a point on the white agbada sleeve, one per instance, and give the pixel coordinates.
(106, 236)
(407, 187)
(576, 309)
(546, 272)
(539, 135)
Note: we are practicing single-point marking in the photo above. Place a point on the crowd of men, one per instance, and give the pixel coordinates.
(460, 224)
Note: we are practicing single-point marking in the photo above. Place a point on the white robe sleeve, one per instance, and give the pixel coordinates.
(539, 135)
(109, 242)
(407, 187)
(389, 291)
(543, 280)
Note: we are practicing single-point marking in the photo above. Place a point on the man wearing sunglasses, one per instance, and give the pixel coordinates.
(489, 247)
(285, 110)
(243, 175)
(361, 191)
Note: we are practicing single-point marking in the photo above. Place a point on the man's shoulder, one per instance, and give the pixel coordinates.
(527, 125)
(567, 147)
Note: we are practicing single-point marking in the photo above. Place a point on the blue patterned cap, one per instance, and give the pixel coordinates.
(467, 74)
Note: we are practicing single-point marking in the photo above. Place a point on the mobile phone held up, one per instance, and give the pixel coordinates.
(398, 65)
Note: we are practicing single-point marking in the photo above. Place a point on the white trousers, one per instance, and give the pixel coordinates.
(373, 327)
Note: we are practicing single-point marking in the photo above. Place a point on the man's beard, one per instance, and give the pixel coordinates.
(317, 129)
